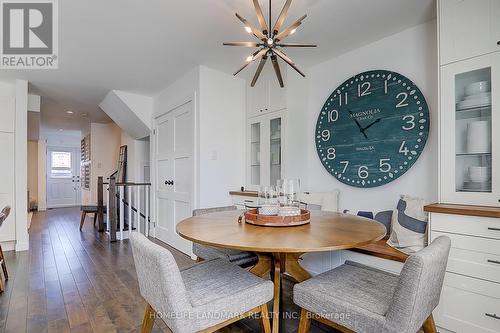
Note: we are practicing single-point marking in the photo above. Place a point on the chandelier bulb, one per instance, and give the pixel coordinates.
(248, 29)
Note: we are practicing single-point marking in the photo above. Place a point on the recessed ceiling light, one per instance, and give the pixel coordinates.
(69, 112)
(84, 115)
(60, 130)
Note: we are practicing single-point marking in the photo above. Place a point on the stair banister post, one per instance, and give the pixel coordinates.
(100, 203)
(113, 218)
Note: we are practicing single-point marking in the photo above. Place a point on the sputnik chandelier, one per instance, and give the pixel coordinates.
(271, 40)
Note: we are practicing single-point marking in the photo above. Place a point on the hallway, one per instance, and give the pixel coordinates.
(71, 281)
(79, 282)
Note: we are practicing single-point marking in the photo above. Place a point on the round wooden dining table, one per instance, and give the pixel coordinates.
(279, 248)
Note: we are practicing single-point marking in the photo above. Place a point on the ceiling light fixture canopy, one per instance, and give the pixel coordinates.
(271, 41)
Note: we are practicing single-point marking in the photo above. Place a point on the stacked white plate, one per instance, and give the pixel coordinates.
(476, 94)
(479, 137)
(477, 187)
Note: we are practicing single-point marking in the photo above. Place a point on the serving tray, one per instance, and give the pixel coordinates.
(252, 217)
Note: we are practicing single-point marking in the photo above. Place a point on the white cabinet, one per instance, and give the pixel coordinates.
(266, 96)
(470, 131)
(470, 300)
(468, 28)
(265, 135)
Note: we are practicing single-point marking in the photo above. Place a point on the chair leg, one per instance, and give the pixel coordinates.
(4, 265)
(429, 325)
(2, 286)
(198, 259)
(95, 219)
(264, 319)
(305, 321)
(149, 319)
(82, 220)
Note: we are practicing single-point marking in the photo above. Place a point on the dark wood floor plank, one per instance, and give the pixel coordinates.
(71, 281)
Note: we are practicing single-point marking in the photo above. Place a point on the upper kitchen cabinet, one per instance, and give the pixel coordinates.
(470, 135)
(468, 28)
(267, 95)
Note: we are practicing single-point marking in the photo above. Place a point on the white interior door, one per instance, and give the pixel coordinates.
(174, 186)
(63, 177)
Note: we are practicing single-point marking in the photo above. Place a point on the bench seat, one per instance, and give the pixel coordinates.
(382, 250)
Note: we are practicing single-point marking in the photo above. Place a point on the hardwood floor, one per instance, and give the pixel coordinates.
(72, 281)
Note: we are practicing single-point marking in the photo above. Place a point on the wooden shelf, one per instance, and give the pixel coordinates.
(481, 211)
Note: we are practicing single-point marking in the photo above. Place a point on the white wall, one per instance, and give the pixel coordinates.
(13, 169)
(222, 136)
(137, 157)
(141, 105)
(131, 112)
(412, 53)
(67, 139)
(219, 101)
(42, 175)
(105, 142)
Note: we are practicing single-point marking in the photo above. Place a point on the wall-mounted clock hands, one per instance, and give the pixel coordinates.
(357, 123)
(373, 123)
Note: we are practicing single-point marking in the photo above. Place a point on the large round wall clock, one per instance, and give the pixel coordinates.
(372, 129)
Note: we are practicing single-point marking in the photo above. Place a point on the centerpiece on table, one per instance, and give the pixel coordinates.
(279, 206)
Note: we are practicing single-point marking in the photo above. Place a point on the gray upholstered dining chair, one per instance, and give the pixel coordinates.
(358, 298)
(203, 252)
(202, 298)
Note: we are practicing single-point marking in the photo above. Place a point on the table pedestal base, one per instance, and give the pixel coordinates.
(278, 264)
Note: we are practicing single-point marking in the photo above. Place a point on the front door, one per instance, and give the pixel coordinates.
(174, 171)
(63, 177)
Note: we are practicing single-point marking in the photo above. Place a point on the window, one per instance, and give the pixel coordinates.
(61, 164)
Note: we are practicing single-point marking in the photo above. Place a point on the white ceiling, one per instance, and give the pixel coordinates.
(142, 46)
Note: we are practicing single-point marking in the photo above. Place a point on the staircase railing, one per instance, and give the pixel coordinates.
(128, 208)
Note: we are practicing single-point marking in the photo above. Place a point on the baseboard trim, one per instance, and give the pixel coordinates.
(8, 245)
(22, 246)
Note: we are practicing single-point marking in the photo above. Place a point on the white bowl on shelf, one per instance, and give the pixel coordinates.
(477, 88)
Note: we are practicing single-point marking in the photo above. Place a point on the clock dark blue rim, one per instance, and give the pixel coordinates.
(420, 106)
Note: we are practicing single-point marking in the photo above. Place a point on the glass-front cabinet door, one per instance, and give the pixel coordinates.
(265, 149)
(470, 146)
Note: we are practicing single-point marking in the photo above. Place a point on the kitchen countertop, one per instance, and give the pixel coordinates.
(244, 193)
(481, 211)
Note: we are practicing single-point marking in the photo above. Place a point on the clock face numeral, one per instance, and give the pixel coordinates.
(363, 172)
(403, 149)
(333, 116)
(402, 96)
(410, 122)
(330, 153)
(364, 89)
(342, 101)
(346, 164)
(385, 166)
(325, 135)
(372, 129)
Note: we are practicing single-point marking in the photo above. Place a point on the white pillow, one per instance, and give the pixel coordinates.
(409, 225)
(329, 201)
